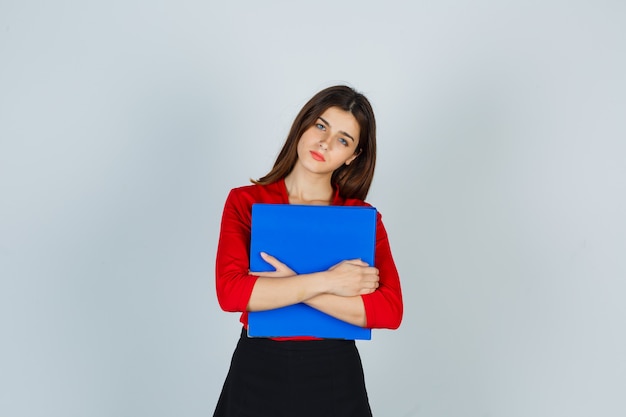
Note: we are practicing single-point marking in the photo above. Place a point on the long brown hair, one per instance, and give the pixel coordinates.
(353, 180)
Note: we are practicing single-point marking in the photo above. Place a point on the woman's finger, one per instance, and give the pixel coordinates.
(356, 262)
(281, 270)
(272, 261)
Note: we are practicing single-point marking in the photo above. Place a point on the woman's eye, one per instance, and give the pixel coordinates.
(343, 141)
(320, 126)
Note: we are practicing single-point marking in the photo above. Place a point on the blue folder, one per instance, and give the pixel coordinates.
(309, 239)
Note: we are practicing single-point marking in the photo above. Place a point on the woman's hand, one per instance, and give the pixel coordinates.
(353, 277)
(281, 270)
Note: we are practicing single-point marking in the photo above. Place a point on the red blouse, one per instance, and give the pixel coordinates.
(383, 307)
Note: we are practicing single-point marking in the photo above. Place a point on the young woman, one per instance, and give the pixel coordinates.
(328, 159)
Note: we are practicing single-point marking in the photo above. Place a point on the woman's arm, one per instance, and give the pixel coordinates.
(233, 283)
(283, 287)
(384, 307)
(348, 309)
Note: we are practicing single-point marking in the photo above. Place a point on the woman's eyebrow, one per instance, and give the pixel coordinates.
(342, 132)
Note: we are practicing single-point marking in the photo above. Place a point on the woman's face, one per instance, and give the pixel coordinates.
(331, 142)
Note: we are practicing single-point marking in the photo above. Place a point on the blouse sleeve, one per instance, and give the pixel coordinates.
(233, 283)
(384, 307)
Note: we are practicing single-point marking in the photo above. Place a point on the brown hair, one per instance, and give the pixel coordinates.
(353, 180)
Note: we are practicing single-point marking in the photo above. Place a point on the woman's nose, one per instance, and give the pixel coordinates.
(324, 142)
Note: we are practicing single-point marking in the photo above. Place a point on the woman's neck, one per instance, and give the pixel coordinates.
(312, 190)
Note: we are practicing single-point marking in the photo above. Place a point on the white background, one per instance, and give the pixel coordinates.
(501, 179)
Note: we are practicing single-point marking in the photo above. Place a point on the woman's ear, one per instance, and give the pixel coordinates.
(353, 157)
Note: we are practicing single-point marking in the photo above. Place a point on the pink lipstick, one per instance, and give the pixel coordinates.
(317, 156)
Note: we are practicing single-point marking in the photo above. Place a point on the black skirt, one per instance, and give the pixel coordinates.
(294, 379)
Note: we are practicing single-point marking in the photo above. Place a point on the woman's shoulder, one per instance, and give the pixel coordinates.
(258, 193)
(245, 189)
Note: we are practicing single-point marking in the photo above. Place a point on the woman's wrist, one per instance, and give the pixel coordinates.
(320, 283)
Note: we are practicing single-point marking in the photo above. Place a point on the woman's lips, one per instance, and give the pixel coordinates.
(317, 156)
